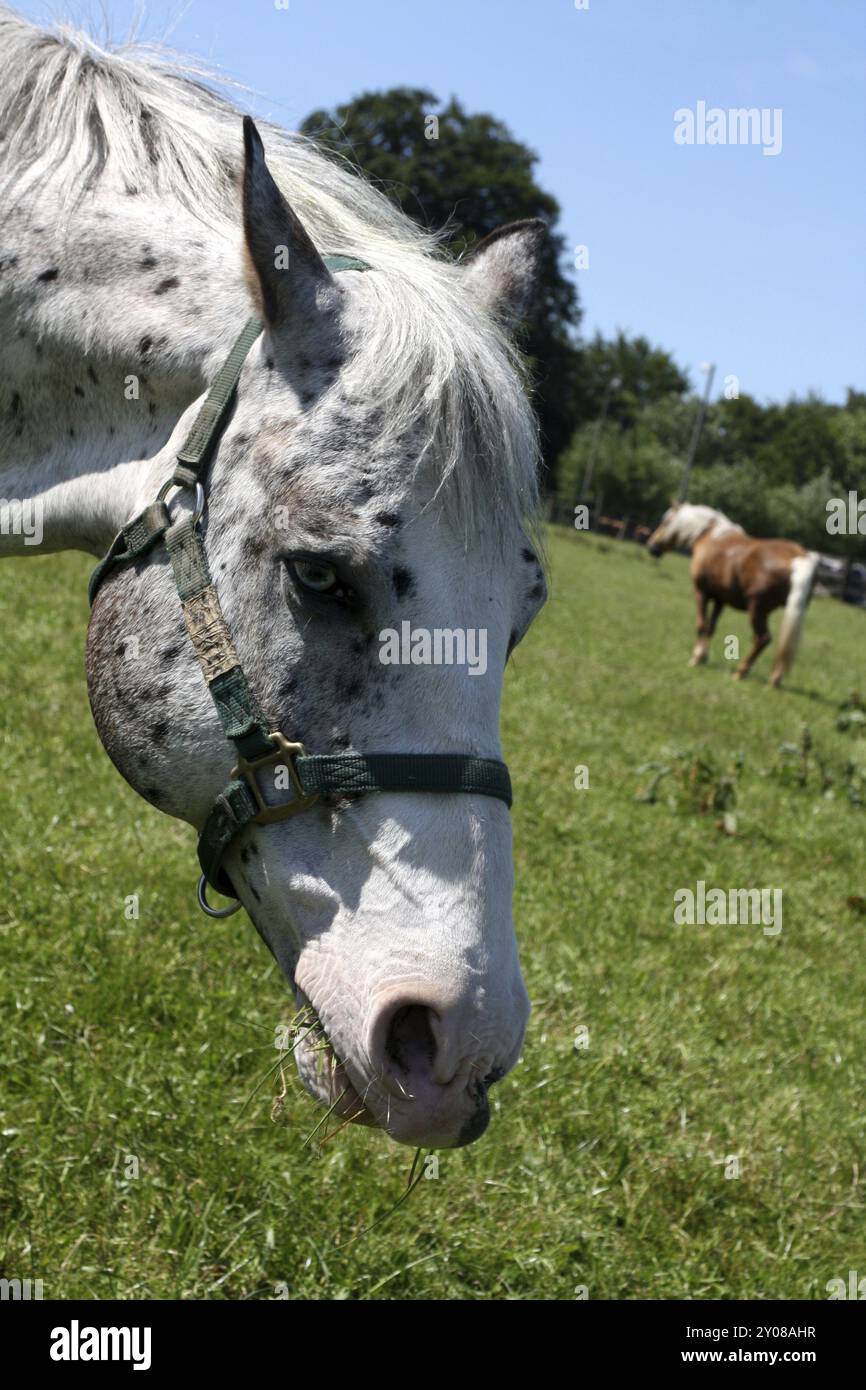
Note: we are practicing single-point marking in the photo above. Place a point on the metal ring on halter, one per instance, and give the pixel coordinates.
(198, 512)
(206, 907)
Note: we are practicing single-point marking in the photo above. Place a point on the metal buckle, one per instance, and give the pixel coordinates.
(170, 485)
(284, 754)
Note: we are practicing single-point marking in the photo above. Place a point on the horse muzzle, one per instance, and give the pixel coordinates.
(421, 1075)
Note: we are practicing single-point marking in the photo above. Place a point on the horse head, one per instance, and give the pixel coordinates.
(373, 479)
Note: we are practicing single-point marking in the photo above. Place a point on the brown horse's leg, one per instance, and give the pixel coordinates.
(705, 628)
(758, 617)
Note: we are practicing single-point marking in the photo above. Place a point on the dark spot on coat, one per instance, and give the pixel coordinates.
(402, 581)
(159, 730)
(512, 643)
(530, 557)
(537, 591)
(171, 282)
(388, 519)
(288, 686)
(79, 391)
(145, 346)
(169, 653)
(147, 263)
(48, 275)
(253, 547)
(93, 377)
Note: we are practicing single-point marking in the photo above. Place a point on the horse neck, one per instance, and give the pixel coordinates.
(112, 319)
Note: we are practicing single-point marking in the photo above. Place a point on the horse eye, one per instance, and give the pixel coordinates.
(315, 575)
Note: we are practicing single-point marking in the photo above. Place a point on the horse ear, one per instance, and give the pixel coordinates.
(283, 264)
(502, 271)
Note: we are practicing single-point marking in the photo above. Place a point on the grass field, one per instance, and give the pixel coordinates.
(609, 1166)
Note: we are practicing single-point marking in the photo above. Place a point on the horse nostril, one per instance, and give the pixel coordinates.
(409, 1043)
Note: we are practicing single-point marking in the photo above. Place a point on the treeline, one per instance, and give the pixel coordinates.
(772, 468)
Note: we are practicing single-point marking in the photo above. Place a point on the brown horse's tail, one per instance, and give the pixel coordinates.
(803, 569)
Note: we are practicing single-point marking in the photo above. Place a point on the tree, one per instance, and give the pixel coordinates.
(647, 375)
(448, 168)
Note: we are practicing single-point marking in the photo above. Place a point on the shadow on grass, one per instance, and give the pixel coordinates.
(814, 695)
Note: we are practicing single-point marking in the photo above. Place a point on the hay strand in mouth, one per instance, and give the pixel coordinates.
(386, 1216)
(279, 1100)
(300, 1029)
(349, 1120)
(326, 1116)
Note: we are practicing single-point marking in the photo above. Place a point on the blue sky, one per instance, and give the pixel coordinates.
(717, 253)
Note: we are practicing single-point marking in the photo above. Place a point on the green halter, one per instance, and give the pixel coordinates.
(241, 801)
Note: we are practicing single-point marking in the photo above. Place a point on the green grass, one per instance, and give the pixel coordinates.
(605, 1165)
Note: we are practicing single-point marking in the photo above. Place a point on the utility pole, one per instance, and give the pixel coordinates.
(710, 369)
(613, 385)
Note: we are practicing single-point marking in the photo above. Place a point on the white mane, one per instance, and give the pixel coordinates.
(76, 114)
(688, 521)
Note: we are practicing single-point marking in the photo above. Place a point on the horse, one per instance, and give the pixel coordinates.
(729, 567)
(372, 460)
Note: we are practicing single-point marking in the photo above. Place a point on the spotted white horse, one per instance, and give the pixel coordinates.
(377, 465)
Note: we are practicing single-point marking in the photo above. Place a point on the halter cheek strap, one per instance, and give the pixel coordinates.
(259, 747)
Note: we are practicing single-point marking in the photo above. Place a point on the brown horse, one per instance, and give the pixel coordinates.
(730, 567)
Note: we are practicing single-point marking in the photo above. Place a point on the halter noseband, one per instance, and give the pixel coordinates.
(241, 802)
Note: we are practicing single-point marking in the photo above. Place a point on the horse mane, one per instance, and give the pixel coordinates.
(75, 115)
(696, 518)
